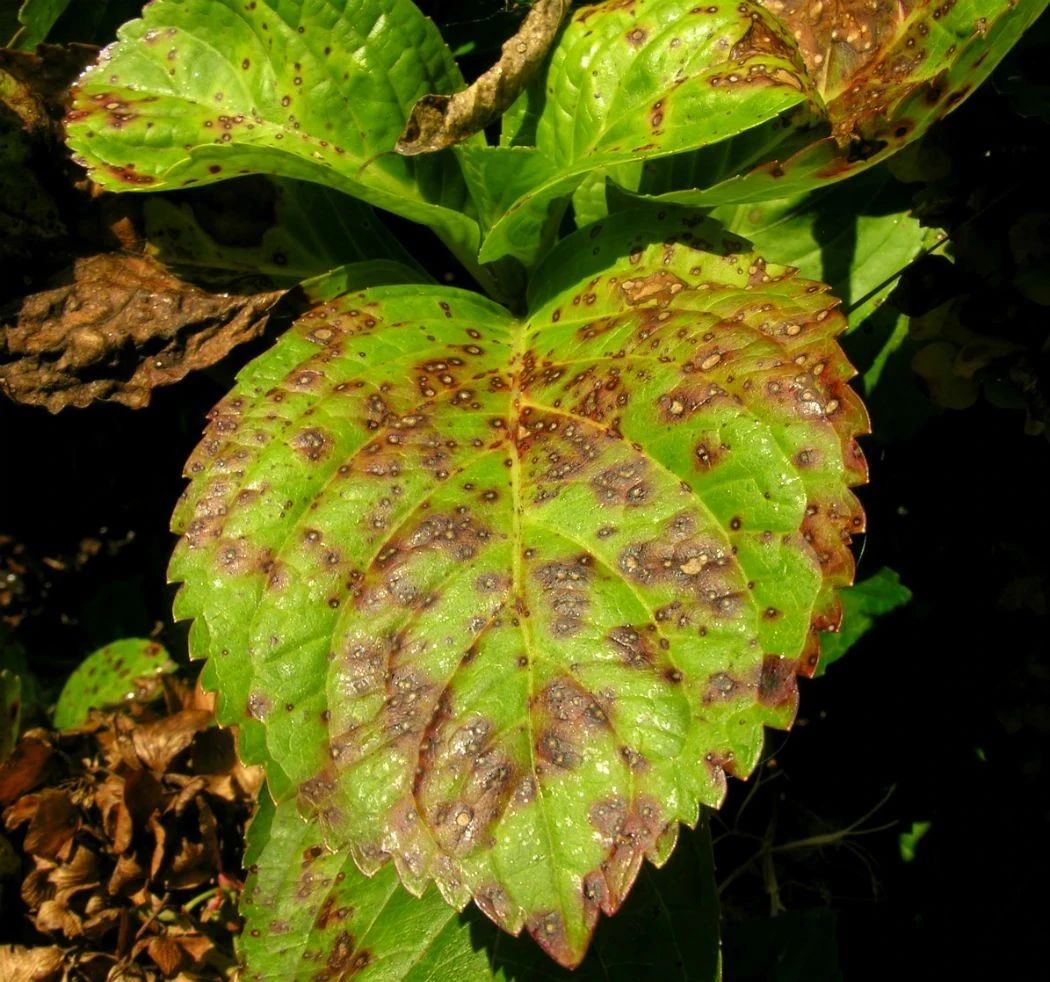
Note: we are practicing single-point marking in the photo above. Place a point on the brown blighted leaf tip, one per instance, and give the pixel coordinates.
(548, 929)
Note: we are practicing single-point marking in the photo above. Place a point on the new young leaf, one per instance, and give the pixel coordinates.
(505, 599)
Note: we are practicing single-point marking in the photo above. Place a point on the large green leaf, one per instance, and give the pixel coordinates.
(198, 91)
(633, 82)
(886, 69)
(308, 910)
(506, 599)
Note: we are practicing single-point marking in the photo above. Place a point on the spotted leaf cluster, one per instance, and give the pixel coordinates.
(503, 600)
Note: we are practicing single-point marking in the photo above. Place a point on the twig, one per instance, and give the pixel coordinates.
(439, 121)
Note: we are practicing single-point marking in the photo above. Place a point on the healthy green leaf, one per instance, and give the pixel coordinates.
(309, 910)
(311, 90)
(887, 71)
(505, 600)
(108, 677)
(287, 230)
(862, 605)
(640, 80)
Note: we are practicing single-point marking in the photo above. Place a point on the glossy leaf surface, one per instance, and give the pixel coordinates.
(107, 677)
(886, 69)
(309, 910)
(505, 600)
(636, 81)
(304, 89)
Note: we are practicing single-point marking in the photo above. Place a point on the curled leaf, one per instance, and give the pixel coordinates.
(439, 121)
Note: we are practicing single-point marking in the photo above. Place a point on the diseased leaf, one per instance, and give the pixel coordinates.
(886, 69)
(108, 677)
(505, 600)
(309, 910)
(668, 928)
(119, 327)
(637, 80)
(862, 605)
(857, 238)
(313, 91)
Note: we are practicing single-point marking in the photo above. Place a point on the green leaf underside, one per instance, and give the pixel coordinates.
(305, 231)
(107, 677)
(311, 89)
(862, 605)
(312, 914)
(926, 57)
(505, 600)
(636, 81)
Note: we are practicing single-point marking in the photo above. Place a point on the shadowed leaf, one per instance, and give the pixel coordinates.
(309, 910)
(505, 600)
(286, 230)
(862, 605)
(10, 711)
(37, 17)
(634, 81)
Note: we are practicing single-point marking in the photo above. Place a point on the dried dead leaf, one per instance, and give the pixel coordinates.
(27, 766)
(19, 964)
(141, 811)
(118, 327)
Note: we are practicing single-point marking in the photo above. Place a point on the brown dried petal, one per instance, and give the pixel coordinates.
(158, 744)
(18, 964)
(26, 767)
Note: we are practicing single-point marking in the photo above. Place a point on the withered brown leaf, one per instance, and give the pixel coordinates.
(117, 328)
